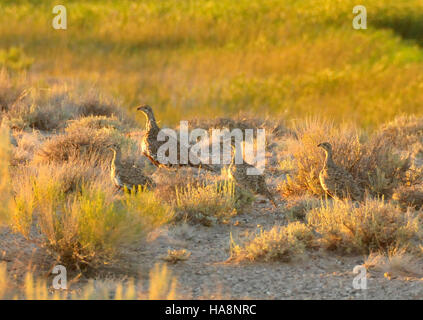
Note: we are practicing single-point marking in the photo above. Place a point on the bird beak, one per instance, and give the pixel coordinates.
(319, 145)
(140, 108)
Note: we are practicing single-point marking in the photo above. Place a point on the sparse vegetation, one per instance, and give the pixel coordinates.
(5, 194)
(409, 197)
(174, 256)
(395, 262)
(84, 144)
(297, 208)
(278, 243)
(207, 204)
(162, 286)
(66, 97)
(370, 226)
(80, 221)
(373, 163)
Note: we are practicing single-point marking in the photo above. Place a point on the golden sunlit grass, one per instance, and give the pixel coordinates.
(371, 226)
(409, 196)
(395, 262)
(79, 220)
(272, 61)
(279, 243)
(162, 286)
(5, 192)
(184, 57)
(207, 204)
(173, 256)
(374, 163)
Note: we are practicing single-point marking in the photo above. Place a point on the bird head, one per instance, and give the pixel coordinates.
(325, 145)
(146, 109)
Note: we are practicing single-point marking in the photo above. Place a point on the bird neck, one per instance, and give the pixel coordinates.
(329, 160)
(151, 123)
(116, 159)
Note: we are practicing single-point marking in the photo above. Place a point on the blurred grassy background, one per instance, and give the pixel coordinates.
(288, 58)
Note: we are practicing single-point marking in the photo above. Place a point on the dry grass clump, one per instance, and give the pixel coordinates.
(83, 144)
(409, 196)
(72, 210)
(87, 227)
(169, 181)
(5, 181)
(242, 121)
(297, 208)
(278, 243)
(10, 90)
(46, 109)
(92, 103)
(206, 204)
(162, 286)
(50, 108)
(374, 164)
(96, 122)
(405, 132)
(372, 226)
(396, 262)
(27, 145)
(42, 117)
(174, 256)
(45, 187)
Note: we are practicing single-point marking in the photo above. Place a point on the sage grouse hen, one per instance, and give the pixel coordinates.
(255, 183)
(151, 145)
(125, 175)
(336, 181)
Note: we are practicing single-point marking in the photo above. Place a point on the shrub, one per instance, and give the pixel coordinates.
(409, 196)
(374, 164)
(98, 227)
(279, 243)
(50, 108)
(95, 122)
(5, 181)
(88, 225)
(162, 285)
(85, 144)
(405, 132)
(91, 103)
(371, 226)
(27, 144)
(36, 184)
(206, 204)
(395, 261)
(297, 208)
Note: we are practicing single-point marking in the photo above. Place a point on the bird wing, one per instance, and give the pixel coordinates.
(133, 176)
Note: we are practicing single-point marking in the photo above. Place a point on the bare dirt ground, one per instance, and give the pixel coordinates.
(318, 275)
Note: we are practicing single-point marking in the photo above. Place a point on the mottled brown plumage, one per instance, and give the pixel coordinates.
(151, 145)
(129, 176)
(255, 183)
(336, 181)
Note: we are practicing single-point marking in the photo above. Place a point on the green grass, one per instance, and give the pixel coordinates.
(288, 58)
